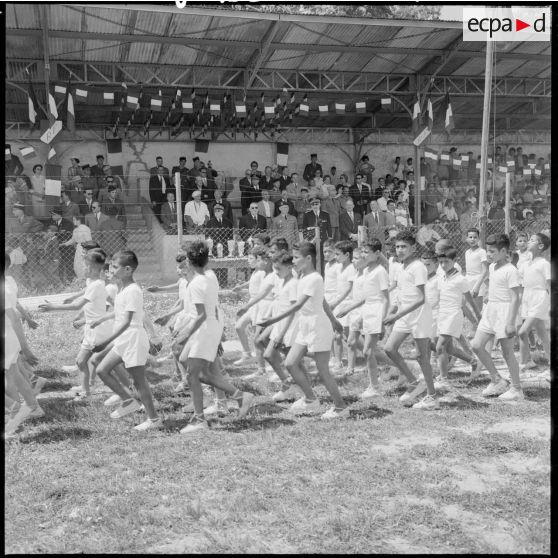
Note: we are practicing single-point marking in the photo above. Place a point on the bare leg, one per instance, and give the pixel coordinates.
(22, 386)
(479, 348)
(241, 326)
(506, 344)
(351, 349)
(140, 381)
(423, 346)
(273, 356)
(322, 364)
(104, 369)
(338, 348)
(442, 346)
(392, 351)
(82, 363)
(292, 364)
(542, 332)
(370, 351)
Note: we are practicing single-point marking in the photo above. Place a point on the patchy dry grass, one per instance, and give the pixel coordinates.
(470, 478)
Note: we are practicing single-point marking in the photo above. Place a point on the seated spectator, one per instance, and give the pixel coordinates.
(402, 216)
(266, 208)
(69, 208)
(89, 182)
(86, 206)
(114, 202)
(219, 221)
(427, 236)
(196, 212)
(285, 225)
(74, 170)
(540, 192)
(252, 222)
(284, 178)
(254, 171)
(23, 223)
(285, 199)
(449, 210)
(382, 202)
(227, 208)
(329, 185)
(528, 196)
(440, 227)
(343, 181)
(245, 185)
(169, 213)
(275, 192)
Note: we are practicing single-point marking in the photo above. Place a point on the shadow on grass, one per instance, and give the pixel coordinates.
(248, 385)
(369, 413)
(55, 385)
(53, 434)
(460, 403)
(52, 373)
(170, 404)
(537, 393)
(256, 423)
(62, 410)
(155, 378)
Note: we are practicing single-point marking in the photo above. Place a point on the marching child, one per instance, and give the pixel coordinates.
(535, 305)
(314, 334)
(412, 316)
(499, 318)
(476, 266)
(94, 303)
(128, 344)
(332, 269)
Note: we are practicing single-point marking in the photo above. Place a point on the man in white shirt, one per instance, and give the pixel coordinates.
(196, 212)
(266, 208)
(382, 202)
(294, 189)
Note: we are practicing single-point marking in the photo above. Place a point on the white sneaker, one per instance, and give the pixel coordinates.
(219, 407)
(287, 395)
(442, 384)
(369, 393)
(112, 400)
(495, 388)
(70, 368)
(196, 426)
(150, 424)
(427, 403)
(244, 359)
(37, 412)
(131, 407)
(244, 407)
(529, 365)
(333, 413)
(513, 394)
(413, 392)
(20, 417)
(39, 385)
(301, 406)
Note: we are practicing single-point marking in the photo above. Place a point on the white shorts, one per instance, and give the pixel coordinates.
(290, 334)
(535, 304)
(205, 341)
(11, 348)
(355, 320)
(493, 321)
(450, 323)
(263, 310)
(92, 337)
(418, 323)
(345, 320)
(182, 320)
(132, 347)
(472, 280)
(434, 332)
(372, 318)
(315, 332)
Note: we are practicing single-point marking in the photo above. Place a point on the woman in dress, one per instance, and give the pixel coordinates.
(81, 233)
(37, 192)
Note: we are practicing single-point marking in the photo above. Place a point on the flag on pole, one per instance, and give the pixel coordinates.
(240, 109)
(32, 103)
(430, 154)
(81, 94)
(304, 109)
(360, 107)
(28, 152)
(114, 156)
(59, 91)
(215, 108)
(445, 158)
(386, 103)
(187, 107)
(429, 114)
(157, 102)
(108, 98)
(282, 154)
(339, 108)
(450, 125)
(51, 154)
(132, 101)
(323, 109)
(416, 117)
(70, 114)
(269, 110)
(52, 107)
(53, 177)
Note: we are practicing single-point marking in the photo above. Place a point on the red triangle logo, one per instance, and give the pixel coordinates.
(519, 25)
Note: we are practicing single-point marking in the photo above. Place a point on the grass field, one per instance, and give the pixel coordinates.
(470, 478)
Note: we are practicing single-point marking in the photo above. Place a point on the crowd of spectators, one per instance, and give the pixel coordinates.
(279, 200)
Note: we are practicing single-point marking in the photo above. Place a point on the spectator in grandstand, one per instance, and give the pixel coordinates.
(318, 180)
(37, 193)
(245, 185)
(366, 169)
(311, 167)
(180, 169)
(383, 201)
(97, 172)
(294, 189)
(313, 191)
(169, 213)
(285, 199)
(196, 212)
(430, 204)
(113, 202)
(81, 233)
(254, 169)
(227, 208)
(207, 186)
(275, 192)
(154, 171)
(266, 208)
(252, 222)
(333, 175)
(88, 181)
(397, 168)
(427, 236)
(22, 223)
(266, 182)
(349, 221)
(361, 195)
(302, 205)
(408, 167)
(342, 195)
(317, 218)
(69, 208)
(220, 230)
(75, 169)
(158, 186)
(332, 207)
(402, 216)
(86, 207)
(12, 165)
(284, 178)
(343, 181)
(97, 219)
(467, 219)
(64, 229)
(330, 186)
(390, 217)
(285, 224)
(449, 210)
(49, 258)
(496, 211)
(195, 170)
(254, 194)
(375, 221)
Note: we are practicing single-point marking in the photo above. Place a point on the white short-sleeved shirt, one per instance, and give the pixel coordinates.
(203, 289)
(393, 267)
(112, 290)
(375, 282)
(524, 259)
(331, 278)
(96, 296)
(9, 280)
(285, 294)
(358, 287)
(474, 260)
(312, 285)
(182, 286)
(432, 292)
(452, 290)
(129, 299)
(255, 282)
(270, 280)
(345, 277)
(536, 274)
(441, 273)
(10, 301)
(501, 281)
(408, 280)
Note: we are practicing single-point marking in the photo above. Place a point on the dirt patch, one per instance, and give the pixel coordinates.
(535, 427)
(400, 444)
(518, 463)
(479, 477)
(404, 547)
(184, 545)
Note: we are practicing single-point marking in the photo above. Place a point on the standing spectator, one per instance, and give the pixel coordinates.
(169, 213)
(113, 202)
(343, 181)
(254, 169)
(69, 208)
(275, 192)
(402, 216)
(310, 168)
(302, 206)
(37, 192)
(349, 221)
(390, 217)
(74, 170)
(397, 168)
(245, 185)
(360, 192)
(266, 183)
(366, 169)
(332, 207)
(81, 233)
(158, 186)
(285, 224)
(430, 204)
(342, 195)
(49, 257)
(329, 185)
(266, 208)
(86, 207)
(317, 219)
(159, 165)
(227, 208)
(294, 189)
(22, 223)
(254, 194)
(196, 212)
(64, 229)
(220, 230)
(12, 165)
(408, 168)
(76, 191)
(22, 189)
(383, 201)
(252, 222)
(88, 181)
(333, 175)
(284, 178)
(375, 222)
(97, 219)
(180, 169)
(97, 172)
(208, 187)
(195, 170)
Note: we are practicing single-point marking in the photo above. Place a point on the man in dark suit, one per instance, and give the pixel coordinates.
(86, 207)
(97, 172)
(284, 179)
(114, 202)
(375, 222)
(227, 208)
(159, 165)
(64, 233)
(158, 186)
(251, 223)
(360, 192)
(349, 221)
(311, 168)
(219, 229)
(169, 214)
(285, 199)
(245, 185)
(254, 193)
(208, 186)
(316, 218)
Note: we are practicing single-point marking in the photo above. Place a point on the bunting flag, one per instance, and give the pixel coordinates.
(527, 171)
(193, 94)
(304, 109)
(52, 108)
(240, 109)
(60, 91)
(510, 163)
(147, 123)
(416, 117)
(324, 109)
(449, 124)
(32, 104)
(360, 107)
(132, 101)
(269, 110)
(386, 103)
(81, 95)
(282, 154)
(215, 108)
(27, 152)
(108, 98)
(465, 158)
(430, 154)
(157, 102)
(456, 163)
(201, 146)
(429, 114)
(70, 114)
(114, 156)
(187, 107)
(340, 108)
(292, 99)
(445, 158)
(53, 177)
